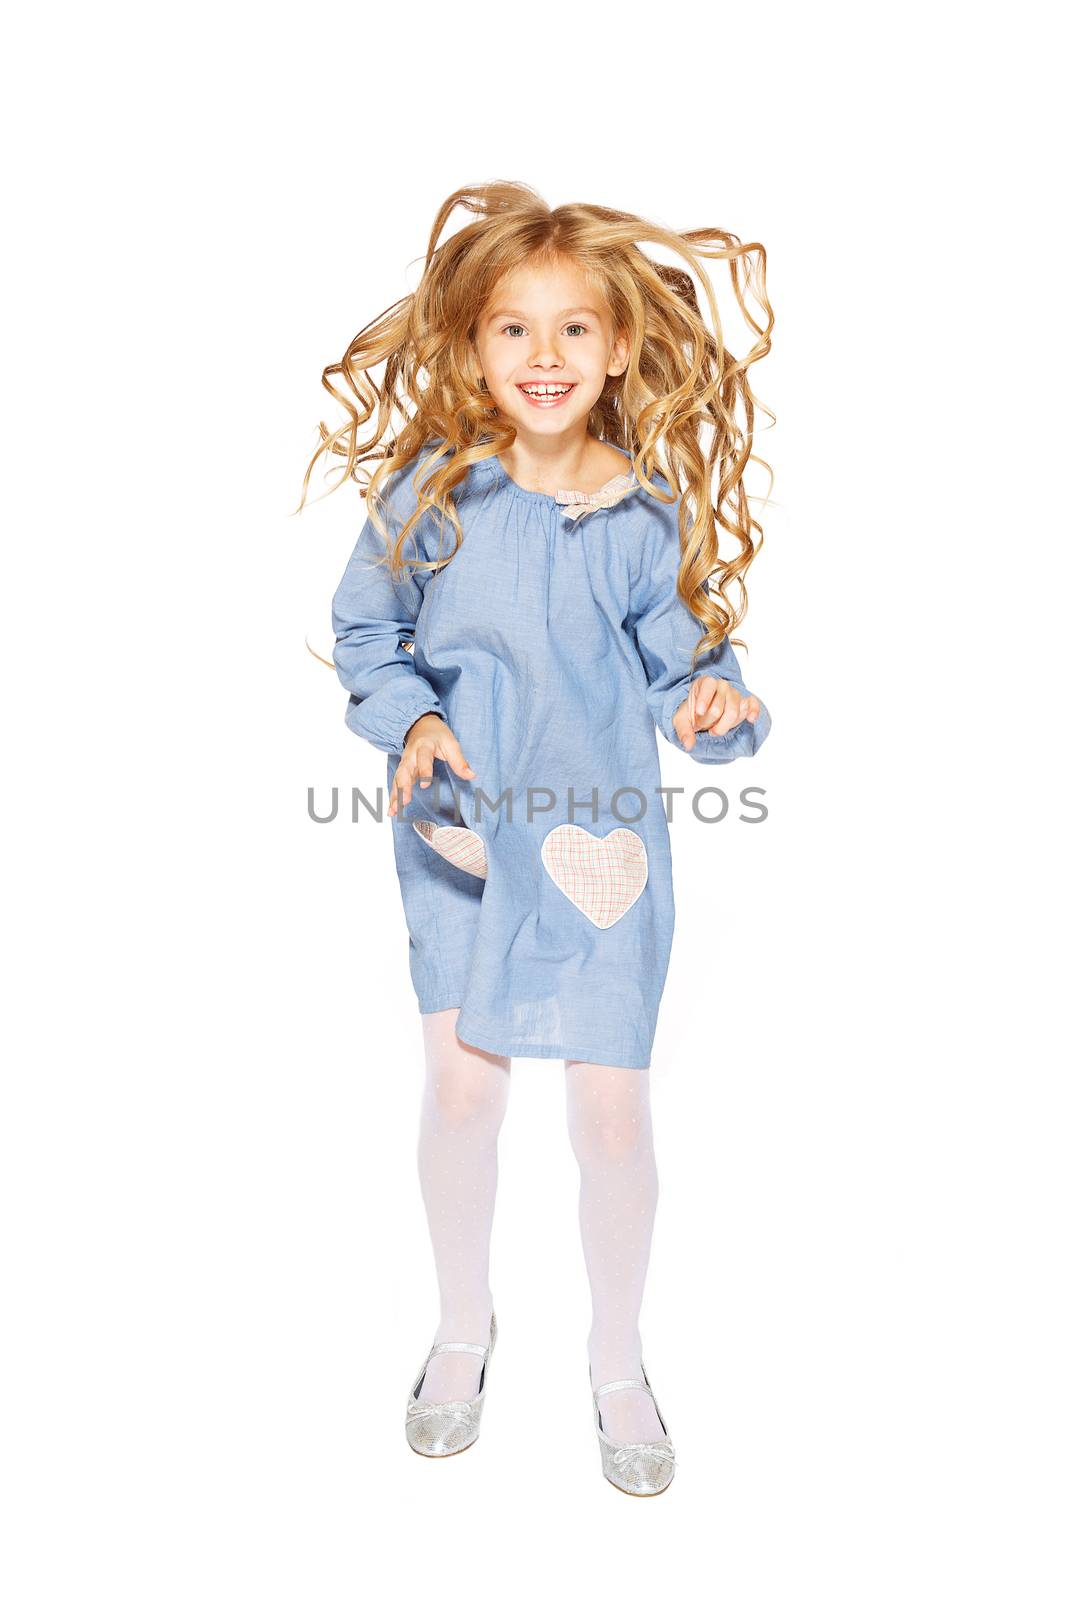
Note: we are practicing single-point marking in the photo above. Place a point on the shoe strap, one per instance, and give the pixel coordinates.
(621, 1383)
(472, 1349)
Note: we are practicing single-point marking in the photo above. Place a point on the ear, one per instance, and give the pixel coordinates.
(620, 355)
(472, 343)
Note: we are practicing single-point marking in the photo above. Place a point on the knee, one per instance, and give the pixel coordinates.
(461, 1099)
(607, 1135)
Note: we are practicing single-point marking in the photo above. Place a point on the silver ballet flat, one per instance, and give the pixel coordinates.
(645, 1468)
(445, 1427)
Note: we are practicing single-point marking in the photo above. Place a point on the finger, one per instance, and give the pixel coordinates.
(457, 760)
(701, 695)
(753, 709)
(683, 726)
(424, 765)
(403, 781)
(727, 718)
(715, 702)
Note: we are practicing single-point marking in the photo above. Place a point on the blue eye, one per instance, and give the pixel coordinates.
(509, 326)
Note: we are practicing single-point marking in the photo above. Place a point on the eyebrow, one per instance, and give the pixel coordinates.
(569, 312)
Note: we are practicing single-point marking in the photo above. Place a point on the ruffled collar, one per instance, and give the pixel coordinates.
(573, 503)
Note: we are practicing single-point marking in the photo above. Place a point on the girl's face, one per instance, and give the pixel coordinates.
(547, 329)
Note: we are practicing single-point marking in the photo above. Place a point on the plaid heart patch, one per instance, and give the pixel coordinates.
(602, 877)
(461, 846)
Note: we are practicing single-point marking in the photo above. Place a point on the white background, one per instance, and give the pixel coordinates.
(219, 1277)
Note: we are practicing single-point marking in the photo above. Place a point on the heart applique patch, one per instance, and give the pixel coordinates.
(602, 877)
(461, 846)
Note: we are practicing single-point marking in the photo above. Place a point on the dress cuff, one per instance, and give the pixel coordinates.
(384, 718)
(744, 740)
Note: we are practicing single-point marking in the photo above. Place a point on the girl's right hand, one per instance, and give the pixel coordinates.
(426, 739)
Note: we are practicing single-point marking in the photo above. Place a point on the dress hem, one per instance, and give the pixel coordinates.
(554, 1052)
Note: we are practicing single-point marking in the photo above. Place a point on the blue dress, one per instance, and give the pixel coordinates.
(537, 895)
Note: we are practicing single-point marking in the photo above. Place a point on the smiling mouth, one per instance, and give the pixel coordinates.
(545, 394)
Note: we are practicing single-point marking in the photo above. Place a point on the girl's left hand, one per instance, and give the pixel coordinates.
(714, 706)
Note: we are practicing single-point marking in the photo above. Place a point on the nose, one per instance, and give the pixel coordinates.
(545, 355)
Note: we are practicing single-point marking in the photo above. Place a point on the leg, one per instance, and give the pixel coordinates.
(463, 1107)
(610, 1125)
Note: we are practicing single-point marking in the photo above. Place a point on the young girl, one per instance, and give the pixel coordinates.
(563, 597)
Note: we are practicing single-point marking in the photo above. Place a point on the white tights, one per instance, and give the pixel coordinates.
(610, 1128)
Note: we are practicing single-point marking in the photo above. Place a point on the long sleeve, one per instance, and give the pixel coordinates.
(373, 615)
(665, 632)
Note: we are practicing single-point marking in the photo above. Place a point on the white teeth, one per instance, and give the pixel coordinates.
(546, 388)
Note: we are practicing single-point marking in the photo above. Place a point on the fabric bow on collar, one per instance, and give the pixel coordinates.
(579, 504)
